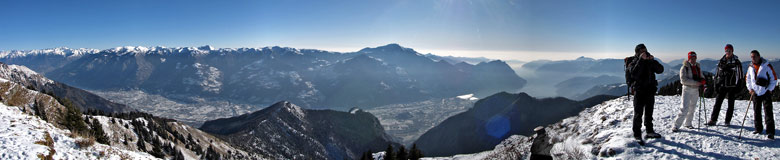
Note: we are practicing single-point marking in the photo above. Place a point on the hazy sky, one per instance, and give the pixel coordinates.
(513, 29)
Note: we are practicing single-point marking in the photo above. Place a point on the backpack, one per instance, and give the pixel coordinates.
(629, 63)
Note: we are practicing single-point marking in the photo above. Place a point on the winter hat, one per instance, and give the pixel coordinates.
(729, 46)
(691, 54)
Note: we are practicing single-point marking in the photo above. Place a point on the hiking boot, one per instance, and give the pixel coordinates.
(771, 136)
(710, 123)
(652, 135)
(757, 132)
(689, 127)
(675, 130)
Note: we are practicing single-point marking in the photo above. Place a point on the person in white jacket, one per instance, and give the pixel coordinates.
(761, 81)
(692, 79)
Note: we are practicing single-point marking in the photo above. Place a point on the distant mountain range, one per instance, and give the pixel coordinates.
(576, 86)
(572, 78)
(280, 131)
(370, 77)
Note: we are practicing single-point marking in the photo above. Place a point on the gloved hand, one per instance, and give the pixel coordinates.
(703, 82)
(702, 90)
(705, 89)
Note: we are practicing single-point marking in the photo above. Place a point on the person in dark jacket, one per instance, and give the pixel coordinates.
(727, 84)
(541, 146)
(644, 87)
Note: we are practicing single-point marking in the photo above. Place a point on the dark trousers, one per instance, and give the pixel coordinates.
(643, 105)
(540, 157)
(766, 100)
(723, 93)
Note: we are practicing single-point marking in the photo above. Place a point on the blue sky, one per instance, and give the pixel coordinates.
(506, 29)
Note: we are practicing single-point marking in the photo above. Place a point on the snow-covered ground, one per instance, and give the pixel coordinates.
(604, 131)
(19, 132)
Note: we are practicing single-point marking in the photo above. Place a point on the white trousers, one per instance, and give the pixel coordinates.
(690, 96)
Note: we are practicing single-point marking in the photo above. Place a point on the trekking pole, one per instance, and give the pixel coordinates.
(698, 125)
(745, 118)
(701, 104)
(704, 104)
(628, 92)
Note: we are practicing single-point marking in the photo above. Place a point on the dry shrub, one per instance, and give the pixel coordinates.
(85, 142)
(48, 142)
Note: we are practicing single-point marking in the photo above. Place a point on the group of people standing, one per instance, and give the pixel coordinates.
(641, 69)
(760, 81)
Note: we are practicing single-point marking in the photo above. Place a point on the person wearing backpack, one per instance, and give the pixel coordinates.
(541, 145)
(692, 79)
(761, 81)
(727, 84)
(641, 78)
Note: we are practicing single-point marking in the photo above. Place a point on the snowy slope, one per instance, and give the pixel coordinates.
(604, 132)
(20, 131)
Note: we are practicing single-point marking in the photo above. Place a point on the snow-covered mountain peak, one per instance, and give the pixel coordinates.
(21, 74)
(23, 69)
(390, 48)
(583, 58)
(62, 51)
(206, 48)
(281, 50)
(285, 106)
(129, 50)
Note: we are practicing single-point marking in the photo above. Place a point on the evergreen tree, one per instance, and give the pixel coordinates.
(212, 154)
(141, 146)
(389, 154)
(367, 155)
(98, 133)
(156, 152)
(178, 155)
(40, 111)
(415, 153)
(73, 120)
(402, 155)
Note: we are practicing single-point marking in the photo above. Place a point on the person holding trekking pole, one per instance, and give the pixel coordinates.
(643, 85)
(692, 80)
(727, 84)
(761, 81)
